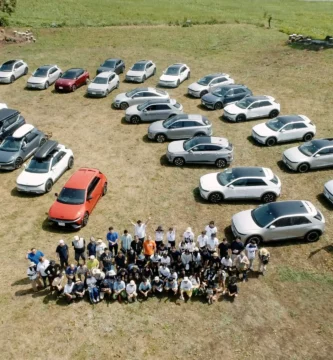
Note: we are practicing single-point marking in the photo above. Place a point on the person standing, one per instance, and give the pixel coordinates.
(140, 229)
(242, 265)
(120, 260)
(236, 248)
(91, 247)
(52, 271)
(68, 290)
(171, 237)
(41, 267)
(106, 259)
(159, 236)
(224, 248)
(126, 240)
(62, 254)
(100, 246)
(149, 247)
(264, 257)
(136, 245)
(211, 229)
(188, 234)
(212, 243)
(79, 245)
(33, 255)
(33, 276)
(202, 240)
(251, 249)
(112, 238)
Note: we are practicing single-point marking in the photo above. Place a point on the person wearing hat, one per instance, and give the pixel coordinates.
(251, 249)
(165, 259)
(188, 234)
(215, 260)
(33, 276)
(202, 240)
(58, 283)
(100, 246)
(211, 229)
(33, 255)
(264, 257)
(186, 288)
(119, 289)
(92, 288)
(62, 254)
(171, 285)
(141, 261)
(149, 247)
(159, 235)
(212, 243)
(91, 247)
(106, 286)
(106, 259)
(126, 240)
(147, 271)
(171, 236)
(68, 290)
(145, 288)
(157, 285)
(79, 245)
(136, 245)
(81, 272)
(187, 259)
(131, 291)
(41, 267)
(112, 237)
(131, 257)
(140, 229)
(242, 265)
(52, 271)
(92, 263)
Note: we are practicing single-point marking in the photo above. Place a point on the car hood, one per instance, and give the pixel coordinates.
(37, 80)
(134, 73)
(169, 77)
(329, 186)
(211, 98)
(66, 211)
(7, 156)
(6, 73)
(65, 82)
(93, 86)
(209, 181)
(244, 223)
(33, 179)
(103, 69)
(176, 147)
(121, 97)
(263, 130)
(233, 109)
(294, 155)
(197, 87)
(156, 127)
(132, 110)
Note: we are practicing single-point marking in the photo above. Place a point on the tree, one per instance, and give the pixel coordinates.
(7, 6)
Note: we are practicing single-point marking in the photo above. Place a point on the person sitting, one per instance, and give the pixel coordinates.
(174, 254)
(164, 272)
(211, 294)
(145, 288)
(141, 261)
(68, 289)
(171, 285)
(123, 274)
(232, 290)
(131, 291)
(119, 289)
(92, 263)
(106, 287)
(58, 283)
(195, 280)
(92, 288)
(186, 288)
(52, 271)
(131, 257)
(157, 285)
(162, 248)
(186, 259)
(71, 271)
(196, 260)
(147, 271)
(81, 272)
(78, 289)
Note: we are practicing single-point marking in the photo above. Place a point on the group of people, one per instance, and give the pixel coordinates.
(124, 268)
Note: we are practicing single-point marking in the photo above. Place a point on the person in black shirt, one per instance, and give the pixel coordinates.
(215, 261)
(147, 272)
(136, 245)
(52, 271)
(174, 254)
(141, 261)
(106, 259)
(236, 248)
(224, 248)
(232, 290)
(205, 257)
(91, 247)
(62, 253)
(120, 260)
(78, 289)
(131, 257)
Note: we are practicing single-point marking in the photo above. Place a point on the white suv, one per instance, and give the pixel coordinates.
(241, 183)
(141, 71)
(328, 191)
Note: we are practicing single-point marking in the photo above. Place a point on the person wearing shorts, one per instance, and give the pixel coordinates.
(171, 285)
(186, 287)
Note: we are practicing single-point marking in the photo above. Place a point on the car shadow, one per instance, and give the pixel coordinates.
(165, 162)
(203, 108)
(52, 228)
(327, 248)
(146, 139)
(325, 202)
(253, 142)
(222, 118)
(124, 122)
(284, 168)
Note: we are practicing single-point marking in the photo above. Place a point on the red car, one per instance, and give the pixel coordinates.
(78, 198)
(72, 79)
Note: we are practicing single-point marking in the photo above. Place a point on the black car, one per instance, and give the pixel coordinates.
(115, 65)
(225, 95)
(10, 120)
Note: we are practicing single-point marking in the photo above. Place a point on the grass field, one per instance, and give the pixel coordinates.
(305, 17)
(285, 315)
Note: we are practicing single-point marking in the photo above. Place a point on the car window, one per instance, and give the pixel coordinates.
(231, 92)
(212, 148)
(18, 65)
(93, 185)
(299, 125)
(160, 107)
(223, 79)
(282, 222)
(118, 62)
(255, 105)
(177, 125)
(239, 91)
(137, 95)
(53, 70)
(240, 182)
(288, 127)
(300, 220)
(189, 123)
(149, 65)
(183, 69)
(326, 151)
(265, 103)
(256, 182)
(8, 122)
(199, 148)
(149, 94)
(79, 73)
(30, 137)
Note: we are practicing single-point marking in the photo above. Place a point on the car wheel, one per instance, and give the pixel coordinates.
(256, 238)
(179, 161)
(42, 142)
(200, 134)
(123, 106)
(220, 163)
(271, 141)
(273, 114)
(188, 75)
(268, 197)
(12, 79)
(46, 85)
(117, 86)
(307, 137)
(26, 71)
(215, 197)
(178, 83)
(218, 106)
(48, 185)
(302, 168)
(135, 119)
(143, 78)
(85, 219)
(160, 138)
(18, 163)
(70, 163)
(312, 236)
(240, 118)
(73, 88)
(203, 93)
(105, 189)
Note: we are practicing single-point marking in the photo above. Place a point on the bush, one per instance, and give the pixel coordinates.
(4, 20)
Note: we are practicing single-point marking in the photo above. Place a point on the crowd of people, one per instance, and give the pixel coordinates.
(125, 268)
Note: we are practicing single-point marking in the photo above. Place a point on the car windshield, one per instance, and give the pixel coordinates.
(41, 72)
(172, 70)
(191, 142)
(11, 144)
(138, 67)
(6, 67)
(205, 80)
(245, 103)
(220, 91)
(168, 122)
(308, 148)
(71, 196)
(38, 166)
(263, 215)
(69, 74)
(225, 177)
(275, 124)
(100, 80)
(131, 93)
(142, 106)
(109, 64)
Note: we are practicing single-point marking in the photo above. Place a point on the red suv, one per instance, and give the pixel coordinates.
(71, 79)
(78, 198)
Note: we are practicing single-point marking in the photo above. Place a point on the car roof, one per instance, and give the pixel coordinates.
(320, 143)
(289, 207)
(46, 67)
(251, 171)
(141, 89)
(233, 86)
(7, 113)
(112, 59)
(258, 97)
(105, 74)
(159, 101)
(142, 61)
(11, 62)
(211, 140)
(23, 130)
(178, 65)
(81, 178)
(287, 119)
(216, 75)
(46, 149)
(74, 69)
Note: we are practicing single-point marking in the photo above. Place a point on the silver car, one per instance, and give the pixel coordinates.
(180, 127)
(138, 96)
(141, 71)
(328, 190)
(44, 76)
(153, 110)
(311, 155)
(279, 221)
(201, 150)
(12, 70)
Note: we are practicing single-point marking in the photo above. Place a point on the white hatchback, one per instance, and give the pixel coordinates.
(240, 183)
(103, 84)
(328, 190)
(284, 128)
(44, 76)
(174, 75)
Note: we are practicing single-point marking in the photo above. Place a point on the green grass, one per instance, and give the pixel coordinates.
(295, 275)
(307, 17)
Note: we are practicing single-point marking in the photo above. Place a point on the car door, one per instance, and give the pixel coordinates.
(137, 98)
(214, 84)
(177, 130)
(118, 67)
(190, 128)
(19, 69)
(230, 97)
(264, 108)
(149, 69)
(148, 95)
(236, 189)
(182, 73)
(239, 94)
(253, 110)
(8, 127)
(112, 82)
(256, 188)
(300, 226)
(287, 132)
(52, 76)
(160, 112)
(279, 229)
(58, 165)
(195, 154)
(323, 158)
(29, 145)
(93, 193)
(300, 130)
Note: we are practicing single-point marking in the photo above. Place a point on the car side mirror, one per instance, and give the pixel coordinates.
(317, 155)
(283, 130)
(24, 147)
(144, 110)
(272, 227)
(190, 151)
(24, 165)
(52, 168)
(231, 186)
(89, 198)
(56, 194)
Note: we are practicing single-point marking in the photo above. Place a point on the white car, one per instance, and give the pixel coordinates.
(174, 75)
(141, 71)
(328, 191)
(44, 76)
(12, 70)
(209, 83)
(3, 106)
(240, 183)
(103, 84)
(252, 107)
(284, 128)
(45, 168)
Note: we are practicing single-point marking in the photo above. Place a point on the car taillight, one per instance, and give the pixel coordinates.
(318, 216)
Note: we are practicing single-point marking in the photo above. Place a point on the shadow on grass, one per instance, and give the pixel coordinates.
(24, 281)
(253, 142)
(327, 248)
(15, 193)
(25, 292)
(325, 202)
(124, 122)
(53, 228)
(284, 167)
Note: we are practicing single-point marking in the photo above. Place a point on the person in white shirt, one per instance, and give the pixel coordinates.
(212, 243)
(131, 291)
(92, 288)
(196, 259)
(164, 271)
(211, 229)
(41, 267)
(186, 259)
(190, 246)
(251, 250)
(182, 246)
(159, 235)
(202, 240)
(100, 246)
(165, 259)
(171, 237)
(188, 234)
(186, 287)
(140, 229)
(227, 264)
(68, 289)
(33, 276)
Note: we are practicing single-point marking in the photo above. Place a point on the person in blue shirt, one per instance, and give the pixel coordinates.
(71, 271)
(112, 238)
(33, 255)
(91, 247)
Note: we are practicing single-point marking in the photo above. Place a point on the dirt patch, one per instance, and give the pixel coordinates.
(9, 36)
